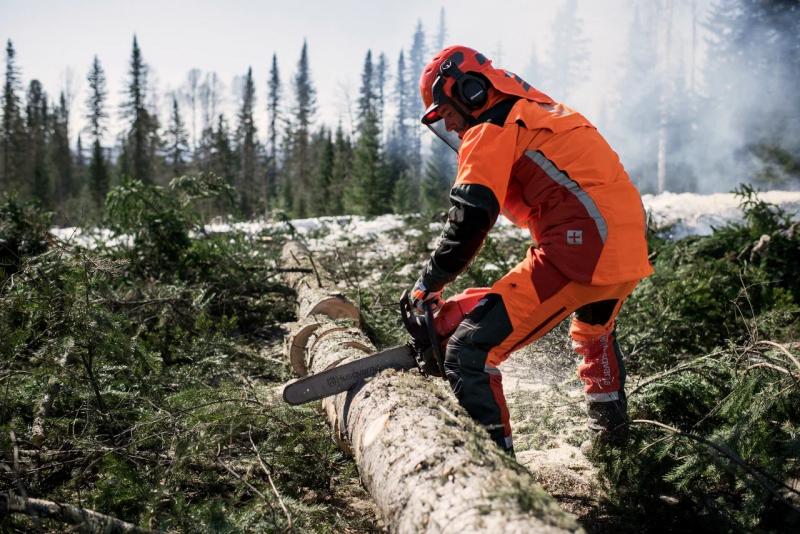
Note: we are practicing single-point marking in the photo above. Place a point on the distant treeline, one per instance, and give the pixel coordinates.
(674, 131)
(301, 169)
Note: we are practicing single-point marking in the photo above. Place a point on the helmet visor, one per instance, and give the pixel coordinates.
(450, 138)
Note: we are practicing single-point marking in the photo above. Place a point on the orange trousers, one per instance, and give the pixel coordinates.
(521, 307)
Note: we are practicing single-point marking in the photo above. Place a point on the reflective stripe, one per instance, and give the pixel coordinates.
(509, 442)
(572, 186)
(490, 369)
(602, 397)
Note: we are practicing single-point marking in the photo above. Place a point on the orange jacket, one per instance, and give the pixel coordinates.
(552, 172)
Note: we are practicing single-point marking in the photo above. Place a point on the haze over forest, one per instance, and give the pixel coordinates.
(694, 95)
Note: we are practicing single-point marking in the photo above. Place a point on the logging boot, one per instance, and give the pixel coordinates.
(506, 443)
(608, 422)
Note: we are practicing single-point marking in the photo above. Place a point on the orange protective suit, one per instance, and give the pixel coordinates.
(553, 173)
(549, 170)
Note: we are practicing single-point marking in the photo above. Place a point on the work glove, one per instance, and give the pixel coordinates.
(420, 295)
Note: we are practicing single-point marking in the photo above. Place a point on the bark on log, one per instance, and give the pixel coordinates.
(427, 465)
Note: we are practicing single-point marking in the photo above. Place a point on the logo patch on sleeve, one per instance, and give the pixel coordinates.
(574, 237)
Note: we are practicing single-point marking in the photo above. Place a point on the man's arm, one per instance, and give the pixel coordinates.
(484, 167)
(474, 212)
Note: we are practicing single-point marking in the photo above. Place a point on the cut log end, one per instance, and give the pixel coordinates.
(296, 344)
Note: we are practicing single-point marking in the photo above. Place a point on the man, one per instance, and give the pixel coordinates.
(546, 168)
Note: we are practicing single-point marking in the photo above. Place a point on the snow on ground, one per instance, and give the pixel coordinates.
(686, 214)
(693, 214)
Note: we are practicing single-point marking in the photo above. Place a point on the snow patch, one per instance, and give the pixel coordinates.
(694, 214)
(685, 213)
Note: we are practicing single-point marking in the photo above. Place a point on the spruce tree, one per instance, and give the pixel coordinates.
(79, 177)
(60, 154)
(37, 172)
(137, 160)
(340, 174)
(404, 195)
(569, 53)
(403, 105)
(246, 149)
(368, 192)
(635, 131)
(177, 141)
(752, 72)
(96, 116)
(416, 62)
(440, 169)
(273, 113)
(679, 132)
(222, 161)
(208, 96)
(438, 176)
(382, 76)
(299, 161)
(321, 193)
(12, 162)
(398, 144)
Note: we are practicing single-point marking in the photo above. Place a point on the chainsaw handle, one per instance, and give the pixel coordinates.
(405, 313)
(434, 338)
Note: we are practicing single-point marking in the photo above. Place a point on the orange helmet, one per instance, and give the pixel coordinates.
(460, 76)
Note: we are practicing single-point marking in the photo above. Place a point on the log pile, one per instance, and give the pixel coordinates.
(427, 465)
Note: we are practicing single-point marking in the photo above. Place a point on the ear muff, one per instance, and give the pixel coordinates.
(471, 89)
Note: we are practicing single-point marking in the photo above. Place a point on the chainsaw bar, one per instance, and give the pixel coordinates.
(343, 377)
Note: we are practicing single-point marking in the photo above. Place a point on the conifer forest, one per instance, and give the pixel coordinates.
(171, 258)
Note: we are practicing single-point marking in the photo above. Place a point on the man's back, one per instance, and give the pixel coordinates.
(553, 173)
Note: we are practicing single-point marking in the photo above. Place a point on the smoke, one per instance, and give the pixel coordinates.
(703, 96)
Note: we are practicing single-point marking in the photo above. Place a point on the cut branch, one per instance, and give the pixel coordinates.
(87, 520)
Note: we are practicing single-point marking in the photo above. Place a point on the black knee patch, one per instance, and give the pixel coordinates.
(597, 312)
(485, 327)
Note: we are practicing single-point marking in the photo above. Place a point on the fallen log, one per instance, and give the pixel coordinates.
(427, 465)
(85, 520)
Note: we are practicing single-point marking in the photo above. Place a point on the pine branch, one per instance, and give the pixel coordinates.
(765, 480)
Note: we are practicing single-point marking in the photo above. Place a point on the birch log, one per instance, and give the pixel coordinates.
(427, 465)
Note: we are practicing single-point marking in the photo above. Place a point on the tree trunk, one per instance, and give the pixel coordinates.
(427, 465)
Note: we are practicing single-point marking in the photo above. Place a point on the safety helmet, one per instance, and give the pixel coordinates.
(460, 76)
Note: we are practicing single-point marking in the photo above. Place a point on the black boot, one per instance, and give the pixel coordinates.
(608, 422)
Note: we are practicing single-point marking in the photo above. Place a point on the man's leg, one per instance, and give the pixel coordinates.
(522, 306)
(602, 370)
(478, 386)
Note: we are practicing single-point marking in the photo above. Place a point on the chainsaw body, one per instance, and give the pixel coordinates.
(430, 333)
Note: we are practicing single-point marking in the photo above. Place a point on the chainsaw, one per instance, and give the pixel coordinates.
(429, 334)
